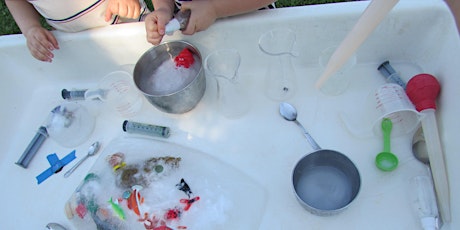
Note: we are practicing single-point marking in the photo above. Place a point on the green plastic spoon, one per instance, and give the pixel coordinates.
(386, 160)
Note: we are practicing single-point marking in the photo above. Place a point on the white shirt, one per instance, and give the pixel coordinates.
(77, 15)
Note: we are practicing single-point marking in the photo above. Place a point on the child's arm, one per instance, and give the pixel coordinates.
(24, 14)
(205, 12)
(40, 41)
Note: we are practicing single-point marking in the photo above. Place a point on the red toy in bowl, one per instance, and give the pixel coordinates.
(185, 59)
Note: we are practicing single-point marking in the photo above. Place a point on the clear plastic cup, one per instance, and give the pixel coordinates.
(387, 101)
(118, 91)
(392, 102)
(280, 80)
(231, 99)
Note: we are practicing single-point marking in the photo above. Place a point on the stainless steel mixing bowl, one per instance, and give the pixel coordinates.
(170, 88)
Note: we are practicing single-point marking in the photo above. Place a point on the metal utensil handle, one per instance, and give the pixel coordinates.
(67, 174)
(307, 135)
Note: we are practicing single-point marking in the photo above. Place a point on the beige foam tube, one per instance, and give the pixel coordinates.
(437, 163)
(369, 20)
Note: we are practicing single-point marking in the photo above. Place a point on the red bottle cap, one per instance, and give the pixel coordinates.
(422, 90)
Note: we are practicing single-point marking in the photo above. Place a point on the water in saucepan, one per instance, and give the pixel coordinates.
(324, 187)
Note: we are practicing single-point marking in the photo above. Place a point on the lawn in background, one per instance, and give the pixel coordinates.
(8, 25)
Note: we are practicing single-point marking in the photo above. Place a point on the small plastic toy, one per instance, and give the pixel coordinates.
(183, 186)
(117, 209)
(184, 59)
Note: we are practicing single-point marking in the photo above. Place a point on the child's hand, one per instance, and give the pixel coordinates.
(122, 8)
(203, 16)
(41, 43)
(155, 23)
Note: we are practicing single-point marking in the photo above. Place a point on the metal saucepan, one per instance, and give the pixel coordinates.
(325, 181)
(170, 88)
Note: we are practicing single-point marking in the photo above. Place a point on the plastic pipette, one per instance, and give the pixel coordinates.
(368, 21)
(422, 90)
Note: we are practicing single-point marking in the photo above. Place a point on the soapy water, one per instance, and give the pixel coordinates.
(324, 187)
(168, 78)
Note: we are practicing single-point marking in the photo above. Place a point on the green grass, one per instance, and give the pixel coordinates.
(8, 25)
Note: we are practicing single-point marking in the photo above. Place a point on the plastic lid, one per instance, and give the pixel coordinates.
(422, 90)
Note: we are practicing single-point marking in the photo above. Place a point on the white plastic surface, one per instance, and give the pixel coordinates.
(261, 144)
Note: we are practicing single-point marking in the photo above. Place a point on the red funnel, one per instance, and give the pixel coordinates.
(422, 90)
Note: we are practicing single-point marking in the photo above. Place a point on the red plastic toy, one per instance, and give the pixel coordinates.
(185, 59)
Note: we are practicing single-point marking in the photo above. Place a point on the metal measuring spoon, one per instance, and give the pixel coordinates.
(386, 160)
(290, 113)
(91, 152)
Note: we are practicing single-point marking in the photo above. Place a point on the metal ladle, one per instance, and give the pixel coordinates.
(325, 181)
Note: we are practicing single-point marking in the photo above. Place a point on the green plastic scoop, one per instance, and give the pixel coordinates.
(386, 160)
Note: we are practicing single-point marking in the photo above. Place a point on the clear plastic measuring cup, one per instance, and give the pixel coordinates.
(232, 100)
(387, 101)
(392, 102)
(280, 82)
(118, 91)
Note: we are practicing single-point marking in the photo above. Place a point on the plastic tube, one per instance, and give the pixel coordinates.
(368, 21)
(33, 147)
(437, 164)
(390, 74)
(426, 202)
(145, 129)
(73, 95)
